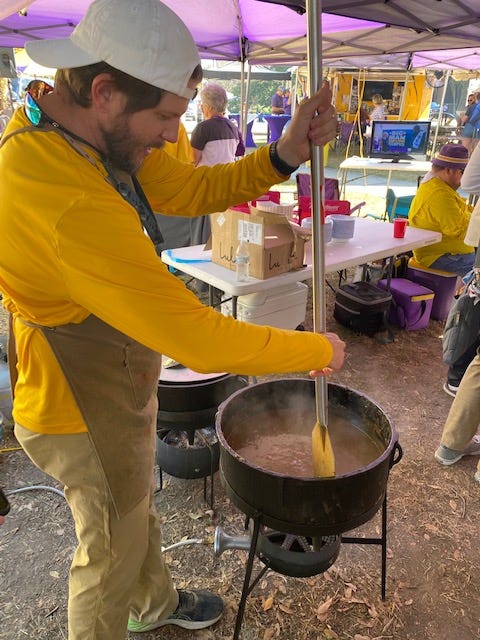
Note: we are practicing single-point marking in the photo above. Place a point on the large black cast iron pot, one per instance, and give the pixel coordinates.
(192, 402)
(186, 462)
(305, 506)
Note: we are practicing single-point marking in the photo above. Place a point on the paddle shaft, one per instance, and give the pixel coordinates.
(314, 35)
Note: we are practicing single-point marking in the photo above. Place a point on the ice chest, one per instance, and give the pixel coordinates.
(411, 303)
(442, 283)
(362, 307)
(283, 307)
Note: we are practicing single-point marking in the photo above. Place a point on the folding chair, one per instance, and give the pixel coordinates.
(345, 134)
(332, 190)
(397, 206)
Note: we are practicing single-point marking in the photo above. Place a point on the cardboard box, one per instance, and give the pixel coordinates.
(275, 247)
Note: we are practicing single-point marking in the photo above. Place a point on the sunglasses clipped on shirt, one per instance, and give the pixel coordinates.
(32, 110)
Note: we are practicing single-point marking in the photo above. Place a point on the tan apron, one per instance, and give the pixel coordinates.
(114, 381)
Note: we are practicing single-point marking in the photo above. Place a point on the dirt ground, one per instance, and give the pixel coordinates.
(432, 561)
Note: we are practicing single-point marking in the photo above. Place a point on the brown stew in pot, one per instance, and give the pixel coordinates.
(281, 442)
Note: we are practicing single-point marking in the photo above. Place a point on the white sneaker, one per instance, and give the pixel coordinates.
(450, 389)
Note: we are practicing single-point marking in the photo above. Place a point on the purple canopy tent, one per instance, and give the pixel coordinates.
(260, 33)
(398, 35)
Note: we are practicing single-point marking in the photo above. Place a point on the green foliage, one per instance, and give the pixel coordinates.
(261, 92)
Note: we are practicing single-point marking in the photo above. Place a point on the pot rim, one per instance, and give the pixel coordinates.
(375, 463)
(171, 384)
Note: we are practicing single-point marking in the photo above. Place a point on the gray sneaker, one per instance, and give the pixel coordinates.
(447, 456)
(196, 610)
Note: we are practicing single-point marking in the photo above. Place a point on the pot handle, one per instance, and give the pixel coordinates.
(397, 454)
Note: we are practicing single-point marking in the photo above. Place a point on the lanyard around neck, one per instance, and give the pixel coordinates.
(127, 186)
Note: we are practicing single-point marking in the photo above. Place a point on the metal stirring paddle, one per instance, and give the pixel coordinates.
(322, 452)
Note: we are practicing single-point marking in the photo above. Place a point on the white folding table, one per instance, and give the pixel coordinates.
(355, 163)
(373, 240)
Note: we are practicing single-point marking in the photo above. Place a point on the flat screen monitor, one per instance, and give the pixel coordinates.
(385, 89)
(397, 140)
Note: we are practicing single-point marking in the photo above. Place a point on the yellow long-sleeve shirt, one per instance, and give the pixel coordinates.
(72, 246)
(438, 207)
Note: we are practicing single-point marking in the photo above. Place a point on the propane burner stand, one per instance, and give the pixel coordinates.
(323, 551)
(188, 462)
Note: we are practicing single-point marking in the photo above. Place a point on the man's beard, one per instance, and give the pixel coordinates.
(119, 145)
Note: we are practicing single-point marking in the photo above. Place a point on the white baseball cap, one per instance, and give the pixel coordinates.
(143, 38)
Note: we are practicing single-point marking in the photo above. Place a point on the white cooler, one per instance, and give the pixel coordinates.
(283, 307)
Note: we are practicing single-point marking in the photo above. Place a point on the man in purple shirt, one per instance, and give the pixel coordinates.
(277, 102)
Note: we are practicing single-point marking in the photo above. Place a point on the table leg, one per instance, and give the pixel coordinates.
(343, 183)
(389, 177)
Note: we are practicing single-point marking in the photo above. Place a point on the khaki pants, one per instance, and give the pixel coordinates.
(463, 419)
(118, 568)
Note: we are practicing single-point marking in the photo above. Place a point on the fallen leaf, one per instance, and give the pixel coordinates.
(453, 505)
(55, 574)
(269, 634)
(268, 603)
(285, 608)
(357, 601)
(323, 608)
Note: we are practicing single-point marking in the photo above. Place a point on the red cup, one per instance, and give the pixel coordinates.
(399, 227)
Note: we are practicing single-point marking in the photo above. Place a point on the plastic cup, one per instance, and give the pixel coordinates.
(399, 227)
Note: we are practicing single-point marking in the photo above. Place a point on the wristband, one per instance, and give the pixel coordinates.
(278, 164)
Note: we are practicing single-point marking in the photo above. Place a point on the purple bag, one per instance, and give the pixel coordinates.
(411, 303)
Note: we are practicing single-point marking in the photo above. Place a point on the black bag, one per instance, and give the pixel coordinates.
(362, 307)
(462, 327)
(375, 271)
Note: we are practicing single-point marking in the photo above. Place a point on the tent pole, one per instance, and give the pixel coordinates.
(440, 111)
(247, 99)
(405, 88)
(404, 95)
(295, 91)
(242, 97)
